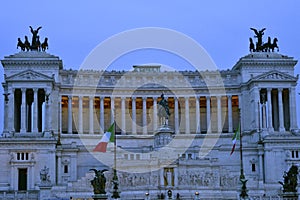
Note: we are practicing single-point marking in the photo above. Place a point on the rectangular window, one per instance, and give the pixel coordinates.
(253, 167)
(297, 155)
(131, 156)
(293, 154)
(66, 169)
(138, 157)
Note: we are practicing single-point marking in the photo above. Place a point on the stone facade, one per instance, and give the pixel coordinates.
(55, 117)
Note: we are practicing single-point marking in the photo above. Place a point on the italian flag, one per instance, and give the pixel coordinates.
(109, 136)
(235, 137)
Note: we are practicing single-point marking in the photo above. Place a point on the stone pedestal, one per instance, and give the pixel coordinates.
(100, 196)
(45, 192)
(163, 136)
(290, 195)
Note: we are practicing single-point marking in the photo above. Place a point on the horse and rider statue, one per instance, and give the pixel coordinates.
(260, 46)
(163, 111)
(35, 45)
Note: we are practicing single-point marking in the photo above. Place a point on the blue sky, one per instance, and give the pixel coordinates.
(75, 28)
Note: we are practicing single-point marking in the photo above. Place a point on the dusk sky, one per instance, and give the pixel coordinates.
(222, 28)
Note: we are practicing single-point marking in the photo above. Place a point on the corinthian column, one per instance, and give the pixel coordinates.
(229, 97)
(187, 116)
(176, 115)
(198, 128)
(133, 110)
(35, 110)
(280, 106)
(208, 118)
(270, 122)
(91, 117)
(144, 115)
(80, 126)
(154, 113)
(23, 111)
(123, 119)
(102, 114)
(70, 114)
(219, 107)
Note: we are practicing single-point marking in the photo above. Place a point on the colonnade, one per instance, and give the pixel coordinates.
(24, 110)
(138, 115)
(277, 109)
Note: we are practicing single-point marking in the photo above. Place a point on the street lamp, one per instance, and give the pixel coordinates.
(147, 196)
(197, 196)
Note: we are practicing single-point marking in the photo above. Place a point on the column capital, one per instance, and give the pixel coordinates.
(218, 97)
(12, 90)
(80, 97)
(133, 98)
(280, 89)
(186, 98)
(144, 97)
(91, 97)
(70, 96)
(229, 96)
(269, 89)
(35, 89)
(123, 98)
(101, 98)
(23, 89)
(155, 98)
(207, 97)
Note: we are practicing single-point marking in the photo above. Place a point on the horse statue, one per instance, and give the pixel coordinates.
(251, 46)
(26, 43)
(163, 110)
(44, 45)
(266, 46)
(38, 43)
(274, 45)
(21, 44)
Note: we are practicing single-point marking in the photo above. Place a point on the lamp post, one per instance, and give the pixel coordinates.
(197, 196)
(147, 196)
(243, 194)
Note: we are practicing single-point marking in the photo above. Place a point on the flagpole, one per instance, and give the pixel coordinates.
(242, 176)
(115, 193)
(243, 193)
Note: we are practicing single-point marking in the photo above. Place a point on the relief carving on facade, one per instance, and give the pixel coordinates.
(198, 178)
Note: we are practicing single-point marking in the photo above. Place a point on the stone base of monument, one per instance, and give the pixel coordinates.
(45, 192)
(163, 136)
(290, 195)
(100, 196)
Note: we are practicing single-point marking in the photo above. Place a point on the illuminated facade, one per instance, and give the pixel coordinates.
(53, 118)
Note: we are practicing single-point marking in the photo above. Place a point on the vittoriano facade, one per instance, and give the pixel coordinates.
(53, 119)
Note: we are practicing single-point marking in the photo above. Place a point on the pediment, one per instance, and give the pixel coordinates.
(275, 76)
(30, 75)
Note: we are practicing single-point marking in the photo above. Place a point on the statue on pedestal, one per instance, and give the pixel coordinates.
(290, 180)
(44, 176)
(99, 181)
(163, 110)
(35, 44)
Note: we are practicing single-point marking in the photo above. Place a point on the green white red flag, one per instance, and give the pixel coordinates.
(235, 137)
(109, 136)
